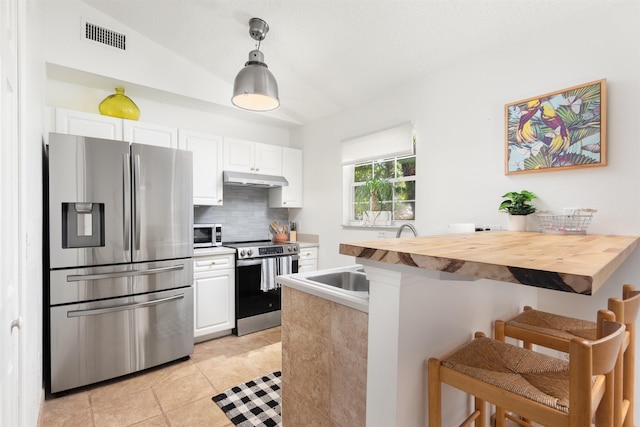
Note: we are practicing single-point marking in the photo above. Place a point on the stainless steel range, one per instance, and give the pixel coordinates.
(258, 296)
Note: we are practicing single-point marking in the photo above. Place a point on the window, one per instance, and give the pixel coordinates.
(383, 185)
(379, 177)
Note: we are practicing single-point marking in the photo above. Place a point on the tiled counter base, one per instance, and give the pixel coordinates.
(324, 362)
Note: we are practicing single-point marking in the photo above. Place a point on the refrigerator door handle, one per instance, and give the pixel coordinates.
(136, 201)
(82, 277)
(126, 203)
(123, 307)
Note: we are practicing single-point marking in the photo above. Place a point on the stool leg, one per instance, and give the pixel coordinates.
(435, 393)
(628, 369)
(618, 391)
(501, 417)
(481, 407)
(498, 333)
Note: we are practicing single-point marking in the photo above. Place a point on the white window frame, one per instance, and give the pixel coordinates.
(348, 192)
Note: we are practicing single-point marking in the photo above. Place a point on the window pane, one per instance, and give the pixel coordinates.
(407, 166)
(405, 190)
(385, 206)
(358, 209)
(404, 211)
(384, 169)
(362, 172)
(360, 195)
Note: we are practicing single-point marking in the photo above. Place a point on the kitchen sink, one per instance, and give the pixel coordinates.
(347, 280)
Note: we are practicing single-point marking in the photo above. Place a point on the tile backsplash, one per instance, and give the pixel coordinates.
(245, 214)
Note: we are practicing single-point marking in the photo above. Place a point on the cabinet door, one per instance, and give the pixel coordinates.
(146, 133)
(238, 155)
(267, 159)
(291, 195)
(207, 166)
(214, 302)
(87, 124)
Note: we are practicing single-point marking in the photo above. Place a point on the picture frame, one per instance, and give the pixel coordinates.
(565, 129)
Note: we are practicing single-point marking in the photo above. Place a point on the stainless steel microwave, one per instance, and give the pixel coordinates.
(207, 235)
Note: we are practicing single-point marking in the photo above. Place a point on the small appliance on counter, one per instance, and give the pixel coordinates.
(207, 235)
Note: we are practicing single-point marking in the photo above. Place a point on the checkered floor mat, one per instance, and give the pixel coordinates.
(255, 403)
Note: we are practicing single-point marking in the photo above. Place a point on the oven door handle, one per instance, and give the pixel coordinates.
(248, 262)
(258, 261)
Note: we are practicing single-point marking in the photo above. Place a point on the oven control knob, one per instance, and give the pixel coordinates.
(250, 252)
(241, 252)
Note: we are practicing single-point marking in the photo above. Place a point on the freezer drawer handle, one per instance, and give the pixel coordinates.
(123, 307)
(82, 277)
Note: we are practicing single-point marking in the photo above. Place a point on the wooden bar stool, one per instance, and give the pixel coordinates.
(545, 389)
(555, 331)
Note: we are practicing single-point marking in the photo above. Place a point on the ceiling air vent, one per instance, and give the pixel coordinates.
(105, 36)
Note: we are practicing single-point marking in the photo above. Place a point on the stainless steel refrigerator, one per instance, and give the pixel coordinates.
(120, 230)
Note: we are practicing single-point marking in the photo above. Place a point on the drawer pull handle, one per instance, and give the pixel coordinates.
(127, 273)
(123, 307)
(213, 263)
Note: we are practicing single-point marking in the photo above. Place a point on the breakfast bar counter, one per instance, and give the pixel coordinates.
(572, 263)
(429, 294)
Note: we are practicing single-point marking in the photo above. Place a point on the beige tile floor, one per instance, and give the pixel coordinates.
(177, 394)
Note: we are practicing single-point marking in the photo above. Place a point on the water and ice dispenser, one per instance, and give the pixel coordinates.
(82, 225)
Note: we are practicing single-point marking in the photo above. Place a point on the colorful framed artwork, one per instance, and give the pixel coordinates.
(566, 129)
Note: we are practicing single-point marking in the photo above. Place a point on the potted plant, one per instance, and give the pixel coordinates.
(378, 189)
(518, 206)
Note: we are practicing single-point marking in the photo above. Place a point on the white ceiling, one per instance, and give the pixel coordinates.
(328, 55)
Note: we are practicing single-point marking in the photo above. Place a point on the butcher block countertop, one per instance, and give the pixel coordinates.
(570, 263)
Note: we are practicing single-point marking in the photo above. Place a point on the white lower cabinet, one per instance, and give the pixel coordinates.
(214, 294)
(308, 259)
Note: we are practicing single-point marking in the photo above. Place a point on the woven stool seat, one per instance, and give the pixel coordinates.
(533, 375)
(554, 325)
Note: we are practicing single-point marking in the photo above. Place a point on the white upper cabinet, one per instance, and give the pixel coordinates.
(87, 124)
(252, 157)
(151, 134)
(207, 166)
(107, 127)
(289, 196)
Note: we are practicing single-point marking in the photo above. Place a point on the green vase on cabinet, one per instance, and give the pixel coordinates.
(119, 105)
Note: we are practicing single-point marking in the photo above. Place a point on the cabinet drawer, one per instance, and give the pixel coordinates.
(213, 263)
(308, 253)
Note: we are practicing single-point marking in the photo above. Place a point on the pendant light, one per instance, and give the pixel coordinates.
(255, 88)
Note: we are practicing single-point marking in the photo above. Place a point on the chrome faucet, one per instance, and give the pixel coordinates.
(410, 227)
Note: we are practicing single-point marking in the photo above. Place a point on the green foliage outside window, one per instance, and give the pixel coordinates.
(385, 185)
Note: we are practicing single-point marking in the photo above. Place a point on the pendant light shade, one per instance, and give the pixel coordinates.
(255, 88)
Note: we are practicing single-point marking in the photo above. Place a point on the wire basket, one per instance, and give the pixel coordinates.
(575, 223)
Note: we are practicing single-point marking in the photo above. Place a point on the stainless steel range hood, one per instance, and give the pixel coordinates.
(253, 179)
